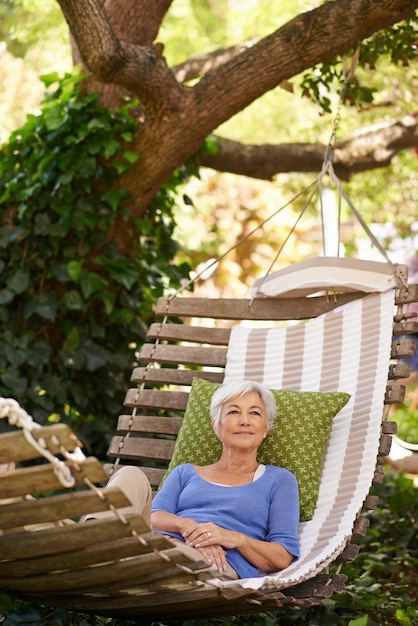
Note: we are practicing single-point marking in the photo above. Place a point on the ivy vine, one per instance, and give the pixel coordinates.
(73, 307)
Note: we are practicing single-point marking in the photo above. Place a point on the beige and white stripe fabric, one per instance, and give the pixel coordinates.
(348, 350)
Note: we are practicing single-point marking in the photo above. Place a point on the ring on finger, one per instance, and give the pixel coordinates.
(209, 534)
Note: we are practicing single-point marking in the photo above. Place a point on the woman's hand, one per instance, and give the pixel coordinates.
(215, 555)
(267, 556)
(207, 538)
(202, 535)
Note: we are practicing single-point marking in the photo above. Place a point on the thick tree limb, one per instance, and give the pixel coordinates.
(371, 148)
(334, 28)
(138, 68)
(176, 118)
(137, 22)
(201, 64)
(303, 42)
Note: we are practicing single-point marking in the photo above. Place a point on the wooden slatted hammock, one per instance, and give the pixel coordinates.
(340, 339)
(118, 567)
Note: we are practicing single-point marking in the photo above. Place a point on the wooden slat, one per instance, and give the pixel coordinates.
(407, 295)
(126, 573)
(136, 448)
(96, 553)
(394, 394)
(405, 327)
(172, 376)
(266, 308)
(399, 370)
(187, 355)
(148, 573)
(40, 478)
(175, 401)
(154, 475)
(179, 605)
(155, 577)
(67, 538)
(389, 427)
(260, 309)
(193, 334)
(149, 424)
(14, 446)
(54, 508)
(177, 602)
(403, 349)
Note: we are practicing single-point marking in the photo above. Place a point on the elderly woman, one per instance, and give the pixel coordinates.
(242, 517)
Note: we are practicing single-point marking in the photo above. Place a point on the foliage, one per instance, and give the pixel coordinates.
(73, 305)
(383, 581)
(25, 23)
(382, 586)
(398, 44)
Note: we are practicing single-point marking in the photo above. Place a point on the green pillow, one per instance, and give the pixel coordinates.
(297, 441)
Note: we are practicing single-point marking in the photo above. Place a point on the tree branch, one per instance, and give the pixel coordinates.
(201, 64)
(305, 41)
(139, 69)
(371, 148)
(137, 22)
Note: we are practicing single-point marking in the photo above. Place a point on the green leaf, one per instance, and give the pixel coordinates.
(74, 269)
(14, 356)
(127, 315)
(114, 197)
(72, 301)
(53, 118)
(131, 157)
(49, 79)
(43, 304)
(121, 167)
(108, 299)
(39, 353)
(91, 283)
(12, 379)
(111, 148)
(95, 356)
(96, 124)
(120, 270)
(360, 621)
(6, 296)
(19, 281)
(73, 339)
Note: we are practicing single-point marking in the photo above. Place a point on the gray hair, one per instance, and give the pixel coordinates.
(238, 388)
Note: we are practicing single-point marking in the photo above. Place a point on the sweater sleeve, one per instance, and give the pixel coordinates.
(284, 514)
(166, 499)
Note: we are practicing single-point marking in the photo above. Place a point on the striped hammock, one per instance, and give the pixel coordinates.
(347, 349)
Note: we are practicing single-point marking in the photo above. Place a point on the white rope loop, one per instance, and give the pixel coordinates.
(16, 416)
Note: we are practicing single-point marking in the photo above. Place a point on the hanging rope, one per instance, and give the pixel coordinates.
(16, 416)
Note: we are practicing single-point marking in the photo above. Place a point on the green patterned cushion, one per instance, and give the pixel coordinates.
(297, 442)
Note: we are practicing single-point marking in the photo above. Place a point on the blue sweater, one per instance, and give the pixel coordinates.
(266, 509)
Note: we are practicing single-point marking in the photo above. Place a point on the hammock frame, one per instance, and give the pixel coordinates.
(117, 567)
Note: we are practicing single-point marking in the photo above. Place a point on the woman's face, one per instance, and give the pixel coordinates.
(242, 422)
